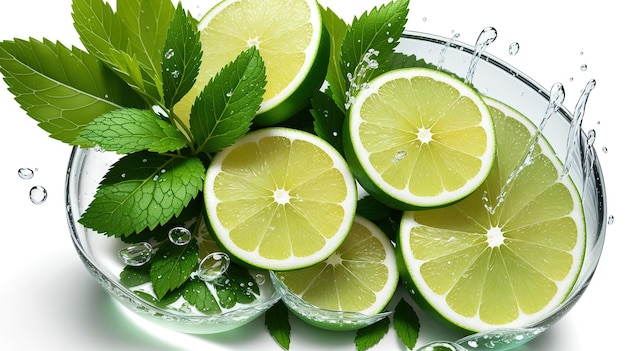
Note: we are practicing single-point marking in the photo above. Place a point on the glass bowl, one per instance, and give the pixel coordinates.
(499, 80)
(99, 253)
(493, 77)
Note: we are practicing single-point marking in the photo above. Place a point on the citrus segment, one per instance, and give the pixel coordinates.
(482, 262)
(280, 198)
(293, 44)
(360, 277)
(417, 137)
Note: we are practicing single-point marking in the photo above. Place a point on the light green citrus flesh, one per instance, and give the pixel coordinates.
(361, 276)
(293, 44)
(419, 138)
(280, 199)
(478, 268)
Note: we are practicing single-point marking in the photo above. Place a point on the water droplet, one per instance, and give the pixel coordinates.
(399, 156)
(583, 67)
(610, 220)
(213, 266)
(136, 254)
(424, 19)
(179, 236)
(175, 74)
(513, 49)
(260, 278)
(38, 195)
(25, 173)
(169, 54)
(605, 149)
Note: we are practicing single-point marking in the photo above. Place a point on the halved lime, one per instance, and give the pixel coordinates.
(485, 262)
(360, 278)
(280, 198)
(293, 44)
(418, 137)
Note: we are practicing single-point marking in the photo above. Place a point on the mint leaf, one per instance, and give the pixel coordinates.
(236, 286)
(328, 119)
(370, 41)
(131, 276)
(181, 57)
(277, 323)
(198, 294)
(143, 190)
(62, 89)
(400, 60)
(224, 110)
(371, 335)
(129, 42)
(406, 323)
(172, 266)
(337, 29)
(132, 130)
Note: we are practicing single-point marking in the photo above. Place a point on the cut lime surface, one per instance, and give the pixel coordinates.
(482, 263)
(417, 137)
(280, 198)
(293, 44)
(356, 282)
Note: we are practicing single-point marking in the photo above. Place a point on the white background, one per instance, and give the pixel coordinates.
(50, 302)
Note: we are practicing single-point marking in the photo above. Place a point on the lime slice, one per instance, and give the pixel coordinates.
(280, 198)
(481, 266)
(417, 137)
(293, 44)
(360, 277)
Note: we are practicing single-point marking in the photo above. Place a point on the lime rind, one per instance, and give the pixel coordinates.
(435, 298)
(402, 198)
(253, 257)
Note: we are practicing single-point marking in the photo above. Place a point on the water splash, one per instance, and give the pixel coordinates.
(25, 173)
(444, 50)
(137, 254)
(557, 96)
(213, 266)
(486, 37)
(38, 195)
(589, 157)
(574, 136)
(358, 79)
(179, 236)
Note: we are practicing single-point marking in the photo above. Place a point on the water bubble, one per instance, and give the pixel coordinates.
(583, 67)
(179, 236)
(38, 195)
(213, 266)
(136, 254)
(605, 149)
(25, 173)
(424, 19)
(610, 220)
(513, 49)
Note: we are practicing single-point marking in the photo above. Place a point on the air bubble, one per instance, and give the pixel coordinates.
(610, 220)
